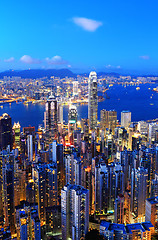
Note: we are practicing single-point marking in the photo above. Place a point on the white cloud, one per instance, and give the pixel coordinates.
(56, 60)
(87, 24)
(112, 67)
(69, 66)
(11, 59)
(29, 60)
(145, 57)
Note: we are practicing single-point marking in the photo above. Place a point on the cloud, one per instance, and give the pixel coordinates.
(11, 59)
(112, 67)
(87, 24)
(56, 60)
(69, 66)
(145, 57)
(29, 60)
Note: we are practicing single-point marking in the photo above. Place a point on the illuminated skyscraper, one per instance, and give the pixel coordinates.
(92, 100)
(16, 135)
(74, 212)
(6, 137)
(72, 122)
(108, 119)
(125, 119)
(50, 120)
(75, 88)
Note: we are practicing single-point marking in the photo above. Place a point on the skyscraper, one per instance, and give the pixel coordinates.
(50, 120)
(16, 135)
(108, 119)
(74, 212)
(125, 119)
(72, 122)
(92, 100)
(75, 88)
(6, 137)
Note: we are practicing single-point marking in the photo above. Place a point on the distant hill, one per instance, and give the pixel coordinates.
(38, 73)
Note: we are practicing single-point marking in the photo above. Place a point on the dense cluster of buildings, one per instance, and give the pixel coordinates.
(56, 180)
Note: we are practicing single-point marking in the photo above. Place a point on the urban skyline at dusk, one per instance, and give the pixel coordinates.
(111, 36)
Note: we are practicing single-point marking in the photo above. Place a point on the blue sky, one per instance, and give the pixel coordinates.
(103, 35)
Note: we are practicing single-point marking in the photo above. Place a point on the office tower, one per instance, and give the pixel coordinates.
(125, 119)
(69, 168)
(60, 167)
(108, 119)
(52, 185)
(151, 211)
(139, 231)
(119, 210)
(74, 212)
(53, 151)
(92, 101)
(143, 127)
(60, 113)
(77, 171)
(6, 136)
(153, 127)
(50, 120)
(126, 159)
(16, 135)
(75, 88)
(30, 147)
(46, 187)
(101, 188)
(8, 195)
(139, 179)
(72, 122)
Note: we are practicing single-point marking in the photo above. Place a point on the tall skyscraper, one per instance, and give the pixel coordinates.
(125, 119)
(6, 136)
(139, 178)
(108, 119)
(30, 147)
(72, 122)
(50, 120)
(75, 88)
(92, 100)
(74, 212)
(16, 135)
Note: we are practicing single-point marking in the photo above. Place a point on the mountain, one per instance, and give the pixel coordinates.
(38, 73)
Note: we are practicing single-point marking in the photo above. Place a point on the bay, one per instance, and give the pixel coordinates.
(143, 104)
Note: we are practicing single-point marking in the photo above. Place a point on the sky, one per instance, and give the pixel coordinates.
(103, 35)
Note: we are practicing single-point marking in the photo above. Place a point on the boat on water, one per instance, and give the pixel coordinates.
(137, 88)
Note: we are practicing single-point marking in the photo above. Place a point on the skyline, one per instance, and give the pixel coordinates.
(111, 37)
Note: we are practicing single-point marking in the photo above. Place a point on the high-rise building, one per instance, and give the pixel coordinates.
(16, 135)
(50, 120)
(92, 100)
(8, 194)
(72, 122)
(119, 210)
(125, 119)
(6, 136)
(108, 119)
(151, 211)
(30, 147)
(139, 179)
(74, 212)
(75, 88)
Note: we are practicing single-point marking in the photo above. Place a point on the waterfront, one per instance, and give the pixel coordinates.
(143, 104)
